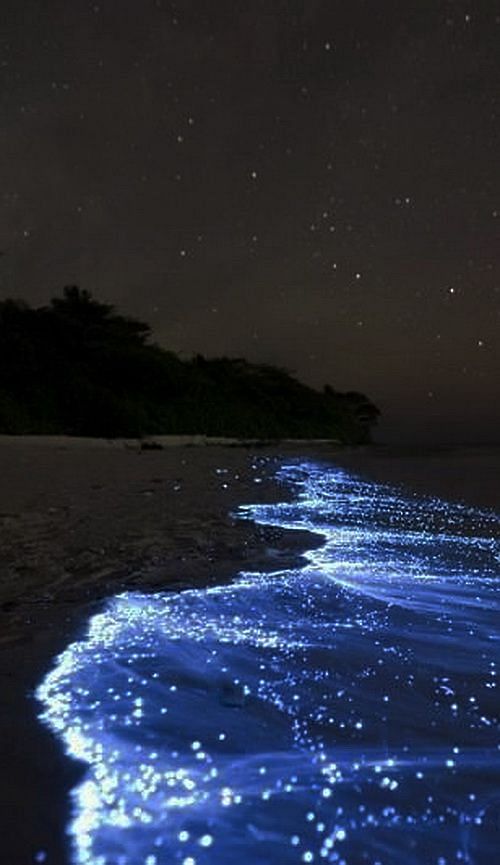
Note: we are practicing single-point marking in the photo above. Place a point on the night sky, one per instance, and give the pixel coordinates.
(311, 184)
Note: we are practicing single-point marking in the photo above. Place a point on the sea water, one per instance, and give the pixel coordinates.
(343, 711)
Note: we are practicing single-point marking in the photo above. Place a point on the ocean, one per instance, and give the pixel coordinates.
(346, 710)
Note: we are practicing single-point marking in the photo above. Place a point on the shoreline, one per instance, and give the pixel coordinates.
(37, 776)
(79, 523)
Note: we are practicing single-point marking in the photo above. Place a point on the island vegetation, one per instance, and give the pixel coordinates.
(78, 367)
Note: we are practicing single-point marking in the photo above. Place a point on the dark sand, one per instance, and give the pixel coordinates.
(80, 521)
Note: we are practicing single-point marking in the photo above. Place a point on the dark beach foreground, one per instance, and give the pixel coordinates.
(81, 521)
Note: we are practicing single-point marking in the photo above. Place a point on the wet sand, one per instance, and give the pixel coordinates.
(80, 521)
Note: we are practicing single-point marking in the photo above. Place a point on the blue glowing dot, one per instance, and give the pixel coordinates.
(206, 840)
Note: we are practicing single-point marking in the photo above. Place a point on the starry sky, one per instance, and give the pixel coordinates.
(309, 183)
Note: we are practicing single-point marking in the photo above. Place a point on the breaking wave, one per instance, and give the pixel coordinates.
(344, 711)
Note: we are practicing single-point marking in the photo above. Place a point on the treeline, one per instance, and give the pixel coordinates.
(77, 367)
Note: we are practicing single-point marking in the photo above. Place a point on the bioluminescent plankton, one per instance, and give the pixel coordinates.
(344, 711)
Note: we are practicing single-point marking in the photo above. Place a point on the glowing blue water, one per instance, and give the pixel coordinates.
(346, 711)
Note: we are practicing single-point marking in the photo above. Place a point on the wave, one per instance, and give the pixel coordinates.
(343, 711)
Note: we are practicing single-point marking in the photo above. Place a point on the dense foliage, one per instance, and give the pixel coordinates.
(78, 367)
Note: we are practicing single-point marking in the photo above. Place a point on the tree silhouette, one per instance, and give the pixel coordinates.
(78, 367)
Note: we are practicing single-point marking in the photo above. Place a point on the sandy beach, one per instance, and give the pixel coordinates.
(81, 520)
